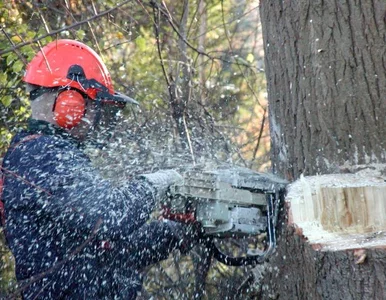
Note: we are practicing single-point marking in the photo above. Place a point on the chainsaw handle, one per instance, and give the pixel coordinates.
(209, 243)
(233, 261)
(252, 259)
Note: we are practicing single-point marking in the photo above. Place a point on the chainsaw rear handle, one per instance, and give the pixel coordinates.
(272, 207)
(234, 261)
(273, 203)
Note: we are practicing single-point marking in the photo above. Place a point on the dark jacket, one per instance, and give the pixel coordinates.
(65, 224)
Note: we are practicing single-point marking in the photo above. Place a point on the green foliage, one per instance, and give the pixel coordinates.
(13, 101)
(7, 269)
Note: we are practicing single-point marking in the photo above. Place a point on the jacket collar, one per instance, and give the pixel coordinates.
(42, 127)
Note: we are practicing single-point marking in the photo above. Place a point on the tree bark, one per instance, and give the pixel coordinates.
(297, 271)
(325, 69)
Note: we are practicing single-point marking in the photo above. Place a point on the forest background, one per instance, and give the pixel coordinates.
(196, 67)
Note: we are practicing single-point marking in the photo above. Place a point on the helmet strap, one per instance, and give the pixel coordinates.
(98, 114)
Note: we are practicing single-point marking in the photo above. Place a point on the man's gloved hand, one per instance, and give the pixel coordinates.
(162, 180)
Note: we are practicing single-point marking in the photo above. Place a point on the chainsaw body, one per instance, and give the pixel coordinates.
(229, 202)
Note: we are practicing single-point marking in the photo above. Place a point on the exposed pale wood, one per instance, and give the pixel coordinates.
(340, 211)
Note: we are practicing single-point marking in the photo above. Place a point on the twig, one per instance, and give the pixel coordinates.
(189, 140)
(238, 64)
(156, 28)
(170, 21)
(170, 85)
(6, 171)
(42, 18)
(92, 31)
(45, 58)
(259, 137)
(13, 44)
(103, 13)
(95, 40)
(94, 8)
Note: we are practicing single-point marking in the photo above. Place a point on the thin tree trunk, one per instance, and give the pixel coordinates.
(202, 16)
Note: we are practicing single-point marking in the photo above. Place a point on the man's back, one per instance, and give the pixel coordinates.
(53, 216)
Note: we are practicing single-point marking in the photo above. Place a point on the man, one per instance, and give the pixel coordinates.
(74, 235)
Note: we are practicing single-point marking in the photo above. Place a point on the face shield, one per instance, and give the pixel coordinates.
(110, 116)
(108, 122)
(108, 105)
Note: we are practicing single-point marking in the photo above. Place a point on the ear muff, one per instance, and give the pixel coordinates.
(69, 108)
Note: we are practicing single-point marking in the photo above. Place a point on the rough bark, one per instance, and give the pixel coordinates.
(297, 271)
(325, 68)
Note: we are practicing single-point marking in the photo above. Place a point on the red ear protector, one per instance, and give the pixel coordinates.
(69, 108)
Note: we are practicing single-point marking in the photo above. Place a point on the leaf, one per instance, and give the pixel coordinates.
(250, 58)
(17, 66)
(28, 51)
(141, 43)
(16, 39)
(3, 78)
(119, 35)
(10, 58)
(46, 40)
(6, 100)
(241, 60)
(80, 34)
(31, 34)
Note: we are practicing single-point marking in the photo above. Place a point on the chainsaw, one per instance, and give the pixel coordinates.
(229, 203)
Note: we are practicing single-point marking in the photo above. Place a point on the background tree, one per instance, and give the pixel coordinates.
(325, 68)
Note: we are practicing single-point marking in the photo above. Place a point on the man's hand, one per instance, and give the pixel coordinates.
(162, 180)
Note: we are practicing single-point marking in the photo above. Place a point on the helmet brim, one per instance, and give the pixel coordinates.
(124, 99)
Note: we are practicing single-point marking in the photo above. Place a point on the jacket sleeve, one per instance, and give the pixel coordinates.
(154, 241)
(60, 184)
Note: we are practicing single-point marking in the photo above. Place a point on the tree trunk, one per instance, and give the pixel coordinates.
(325, 68)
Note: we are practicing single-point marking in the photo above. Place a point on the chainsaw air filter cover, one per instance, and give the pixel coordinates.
(230, 202)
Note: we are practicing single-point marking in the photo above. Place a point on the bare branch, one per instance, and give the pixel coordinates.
(42, 18)
(170, 21)
(259, 137)
(103, 13)
(156, 30)
(238, 64)
(12, 43)
(189, 140)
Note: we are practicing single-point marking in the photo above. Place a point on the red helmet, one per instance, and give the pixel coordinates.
(68, 63)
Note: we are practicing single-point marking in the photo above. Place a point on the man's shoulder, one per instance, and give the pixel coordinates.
(44, 153)
(41, 147)
(36, 140)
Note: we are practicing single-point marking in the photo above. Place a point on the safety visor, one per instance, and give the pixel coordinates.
(90, 87)
(120, 99)
(76, 75)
